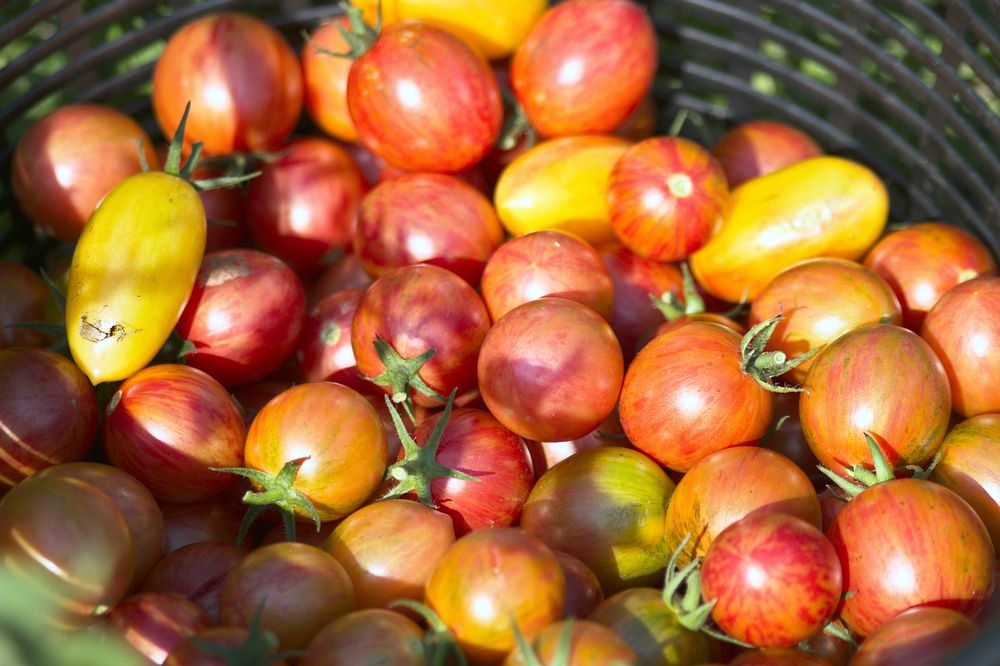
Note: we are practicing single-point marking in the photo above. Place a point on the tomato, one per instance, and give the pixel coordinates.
(546, 263)
(415, 309)
(560, 184)
(686, 394)
(424, 101)
(760, 147)
(732, 483)
(304, 204)
(550, 370)
(48, 411)
(633, 314)
(605, 506)
(963, 329)
(923, 261)
(970, 466)
(585, 67)
(66, 162)
(215, 519)
(880, 379)
(155, 623)
(242, 78)
(69, 538)
(779, 657)
(337, 432)
(493, 28)
(168, 425)
(491, 580)
(195, 572)
(253, 396)
(789, 441)
(324, 348)
(427, 218)
(244, 316)
(346, 273)
(821, 299)
(824, 206)
(775, 580)
(475, 443)
(142, 515)
(545, 455)
(390, 548)
(916, 637)
(583, 590)
(230, 639)
(225, 211)
(586, 642)
(22, 300)
(297, 589)
(325, 80)
(665, 198)
(368, 636)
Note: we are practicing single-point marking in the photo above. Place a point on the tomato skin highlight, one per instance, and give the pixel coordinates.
(132, 272)
(931, 549)
(155, 623)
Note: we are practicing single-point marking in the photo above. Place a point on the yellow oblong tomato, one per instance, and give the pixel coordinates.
(493, 27)
(132, 273)
(821, 207)
(561, 184)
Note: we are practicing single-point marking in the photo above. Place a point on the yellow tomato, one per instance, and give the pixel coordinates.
(493, 27)
(821, 207)
(132, 273)
(561, 184)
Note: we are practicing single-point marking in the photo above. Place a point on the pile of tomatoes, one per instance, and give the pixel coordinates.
(477, 369)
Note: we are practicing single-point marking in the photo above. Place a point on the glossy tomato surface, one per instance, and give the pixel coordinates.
(324, 79)
(324, 350)
(196, 573)
(583, 590)
(759, 147)
(155, 623)
(367, 636)
(917, 637)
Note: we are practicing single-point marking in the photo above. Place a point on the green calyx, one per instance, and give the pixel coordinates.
(260, 648)
(671, 306)
(863, 478)
(687, 605)
(419, 466)
(530, 657)
(439, 645)
(173, 163)
(360, 37)
(515, 124)
(764, 366)
(278, 491)
(402, 374)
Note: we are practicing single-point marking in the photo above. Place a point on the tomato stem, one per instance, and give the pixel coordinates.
(764, 366)
(259, 648)
(440, 647)
(672, 308)
(402, 374)
(691, 613)
(863, 478)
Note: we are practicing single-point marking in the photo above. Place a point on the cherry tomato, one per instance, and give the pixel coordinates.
(215, 519)
(325, 80)
(346, 273)
(779, 657)
(195, 572)
(586, 643)
(22, 300)
(367, 636)
(155, 623)
(190, 652)
(324, 348)
(917, 637)
(760, 147)
(583, 590)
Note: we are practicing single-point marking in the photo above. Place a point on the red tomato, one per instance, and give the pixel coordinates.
(346, 273)
(226, 214)
(970, 466)
(779, 657)
(48, 410)
(586, 642)
(732, 483)
(71, 539)
(545, 455)
(963, 328)
(427, 218)
(583, 590)
(22, 300)
(241, 77)
(424, 101)
(789, 441)
(585, 66)
(686, 395)
(325, 79)
(923, 261)
(651, 628)
(142, 515)
(415, 309)
(369, 636)
(253, 396)
(337, 432)
(605, 506)
(324, 349)
(195, 572)
(155, 623)
(775, 580)
(759, 147)
(476, 444)
(546, 263)
(665, 198)
(243, 317)
(298, 589)
(906, 543)
(215, 519)
(880, 379)
(167, 425)
(490, 580)
(550, 370)
(821, 299)
(918, 637)
(305, 203)
(66, 162)
(390, 548)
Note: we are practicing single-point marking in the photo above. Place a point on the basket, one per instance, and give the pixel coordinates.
(910, 88)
